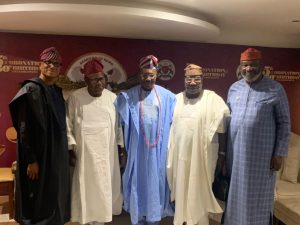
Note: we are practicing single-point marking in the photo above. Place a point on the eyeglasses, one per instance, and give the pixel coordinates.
(145, 76)
(53, 63)
(197, 79)
(96, 80)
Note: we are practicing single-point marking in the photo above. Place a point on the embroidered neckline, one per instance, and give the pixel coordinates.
(150, 145)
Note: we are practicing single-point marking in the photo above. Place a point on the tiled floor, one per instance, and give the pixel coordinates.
(123, 219)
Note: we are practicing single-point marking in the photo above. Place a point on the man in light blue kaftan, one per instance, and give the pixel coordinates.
(258, 141)
(145, 113)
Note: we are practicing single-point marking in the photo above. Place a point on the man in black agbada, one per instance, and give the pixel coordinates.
(42, 178)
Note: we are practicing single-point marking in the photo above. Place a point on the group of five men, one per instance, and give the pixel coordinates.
(172, 145)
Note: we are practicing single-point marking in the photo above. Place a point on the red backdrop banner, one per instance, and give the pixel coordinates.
(19, 60)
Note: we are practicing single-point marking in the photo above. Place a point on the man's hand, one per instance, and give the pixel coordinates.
(276, 162)
(33, 171)
(123, 157)
(72, 158)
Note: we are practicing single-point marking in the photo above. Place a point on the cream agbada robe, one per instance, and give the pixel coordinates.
(193, 153)
(96, 186)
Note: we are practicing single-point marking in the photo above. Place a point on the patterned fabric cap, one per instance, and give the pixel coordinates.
(50, 54)
(91, 67)
(148, 62)
(251, 54)
(192, 70)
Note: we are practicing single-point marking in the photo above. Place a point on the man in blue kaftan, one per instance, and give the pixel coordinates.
(258, 141)
(145, 113)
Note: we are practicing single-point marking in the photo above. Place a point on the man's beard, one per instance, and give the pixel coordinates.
(148, 85)
(250, 78)
(194, 90)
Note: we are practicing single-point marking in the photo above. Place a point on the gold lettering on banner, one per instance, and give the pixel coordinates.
(3, 66)
(281, 75)
(18, 66)
(214, 73)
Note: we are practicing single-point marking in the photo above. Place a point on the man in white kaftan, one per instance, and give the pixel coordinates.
(91, 120)
(199, 120)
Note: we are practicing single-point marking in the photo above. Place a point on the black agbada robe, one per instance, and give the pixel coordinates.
(38, 115)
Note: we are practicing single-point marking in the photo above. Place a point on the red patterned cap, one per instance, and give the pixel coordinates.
(250, 54)
(91, 67)
(148, 62)
(50, 54)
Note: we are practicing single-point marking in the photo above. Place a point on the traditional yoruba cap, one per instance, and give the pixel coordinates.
(148, 62)
(91, 67)
(50, 54)
(192, 70)
(251, 54)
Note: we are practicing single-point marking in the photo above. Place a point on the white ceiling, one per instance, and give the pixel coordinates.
(243, 22)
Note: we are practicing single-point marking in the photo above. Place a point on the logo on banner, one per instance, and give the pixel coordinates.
(11, 134)
(111, 67)
(18, 66)
(281, 75)
(166, 69)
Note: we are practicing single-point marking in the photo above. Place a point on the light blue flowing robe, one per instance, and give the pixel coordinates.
(145, 187)
(259, 129)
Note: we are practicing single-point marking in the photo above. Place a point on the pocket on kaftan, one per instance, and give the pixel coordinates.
(184, 132)
(263, 108)
(96, 139)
